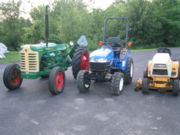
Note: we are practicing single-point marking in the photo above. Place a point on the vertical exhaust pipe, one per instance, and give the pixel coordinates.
(46, 26)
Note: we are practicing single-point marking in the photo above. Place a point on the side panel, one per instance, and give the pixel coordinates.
(175, 69)
(120, 62)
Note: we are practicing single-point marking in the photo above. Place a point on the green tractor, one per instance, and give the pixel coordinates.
(47, 59)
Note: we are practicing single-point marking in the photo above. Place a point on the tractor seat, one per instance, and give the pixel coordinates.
(115, 43)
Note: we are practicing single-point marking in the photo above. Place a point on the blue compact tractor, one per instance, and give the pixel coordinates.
(109, 63)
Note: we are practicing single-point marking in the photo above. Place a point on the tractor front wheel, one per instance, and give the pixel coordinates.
(56, 81)
(129, 72)
(12, 77)
(145, 73)
(145, 86)
(117, 83)
(83, 81)
(176, 87)
(80, 60)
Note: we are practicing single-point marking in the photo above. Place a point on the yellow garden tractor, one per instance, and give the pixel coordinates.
(162, 73)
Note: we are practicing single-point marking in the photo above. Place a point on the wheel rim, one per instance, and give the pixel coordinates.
(86, 85)
(86, 81)
(121, 83)
(131, 71)
(59, 81)
(85, 61)
(16, 77)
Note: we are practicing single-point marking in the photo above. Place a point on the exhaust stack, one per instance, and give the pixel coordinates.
(46, 26)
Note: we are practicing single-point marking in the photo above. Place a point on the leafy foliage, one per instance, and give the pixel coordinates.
(152, 23)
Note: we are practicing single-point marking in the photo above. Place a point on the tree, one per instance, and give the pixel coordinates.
(168, 14)
(11, 29)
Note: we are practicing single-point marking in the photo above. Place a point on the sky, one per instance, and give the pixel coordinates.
(27, 5)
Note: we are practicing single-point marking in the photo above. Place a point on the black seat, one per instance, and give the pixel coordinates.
(115, 43)
(164, 50)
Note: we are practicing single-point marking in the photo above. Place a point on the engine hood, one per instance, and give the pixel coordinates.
(161, 58)
(42, 46)
(105, 53)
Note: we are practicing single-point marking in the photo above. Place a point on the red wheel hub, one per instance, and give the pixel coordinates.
(59, 81)
(16, 77)
(85, 61)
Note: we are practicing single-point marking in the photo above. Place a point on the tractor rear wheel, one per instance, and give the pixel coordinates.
(117, 83)
(83, 81)
(145, 86)
(80, 60)
(176, 87)
(128, 74)
(12, 77)
(56, 81)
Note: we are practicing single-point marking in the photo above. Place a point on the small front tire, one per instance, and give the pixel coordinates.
(117, 83)
(12, 77)
(145, 86)
(83, 81)
(176, 87)
(56, 81)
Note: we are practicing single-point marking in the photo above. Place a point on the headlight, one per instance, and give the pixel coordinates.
(160, 66)
(100, 60)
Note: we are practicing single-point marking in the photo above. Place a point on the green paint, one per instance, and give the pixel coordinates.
(49, 57)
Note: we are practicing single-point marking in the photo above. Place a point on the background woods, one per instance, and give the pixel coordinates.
(152, 23)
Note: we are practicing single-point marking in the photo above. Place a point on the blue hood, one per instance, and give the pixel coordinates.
(105, 53)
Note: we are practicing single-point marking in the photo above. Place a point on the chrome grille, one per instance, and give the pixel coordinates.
(29, 61)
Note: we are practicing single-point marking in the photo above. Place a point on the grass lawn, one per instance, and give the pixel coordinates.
(13, 56)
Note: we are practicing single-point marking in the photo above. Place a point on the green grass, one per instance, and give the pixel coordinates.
(13, 56)
(139, 50)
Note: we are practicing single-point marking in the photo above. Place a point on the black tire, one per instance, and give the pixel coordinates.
(117, 83)
(128, 76)
(76, 60)
(44, 76)
(164, 50)
(12, 77)
(145, 86)
(57, 81)
(179, 72)
(83, 81)
(176, 87)
(145, 73)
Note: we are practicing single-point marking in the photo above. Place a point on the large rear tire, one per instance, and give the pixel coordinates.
(83, 81)
(12, 77)
(117, 83)
(80, 60)
(129, 72)
(176, 87)
(56, 81)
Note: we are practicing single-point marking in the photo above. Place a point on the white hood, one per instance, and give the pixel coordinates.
(161, 58)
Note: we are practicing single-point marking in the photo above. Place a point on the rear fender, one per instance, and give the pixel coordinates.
(124, 58)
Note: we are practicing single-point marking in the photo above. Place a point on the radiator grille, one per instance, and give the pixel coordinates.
(29, 61)
(160, 72)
